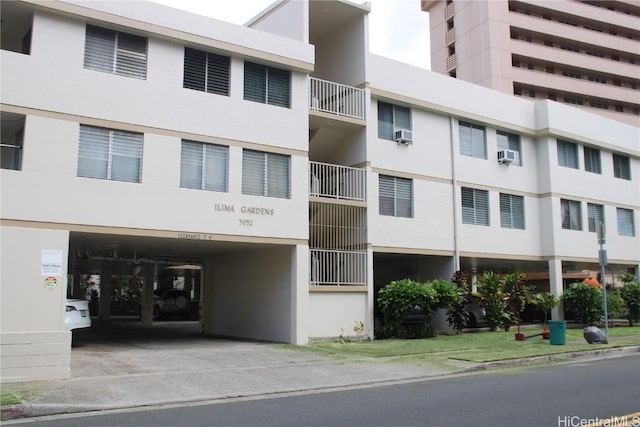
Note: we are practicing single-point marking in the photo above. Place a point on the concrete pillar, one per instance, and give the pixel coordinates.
(299, 321)
(370, 320)
(105, 291)
(208, 294)
(146, 313)
(555, 287)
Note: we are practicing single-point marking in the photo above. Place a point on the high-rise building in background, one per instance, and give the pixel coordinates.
(580, 52)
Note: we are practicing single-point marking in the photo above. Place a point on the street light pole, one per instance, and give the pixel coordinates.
(602, 257)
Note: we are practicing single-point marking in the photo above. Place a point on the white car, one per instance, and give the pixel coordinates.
(76, 314)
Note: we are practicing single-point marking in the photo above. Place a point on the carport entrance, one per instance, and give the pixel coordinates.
(235, 289)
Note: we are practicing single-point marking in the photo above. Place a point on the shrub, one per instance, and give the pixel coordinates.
(584, 301)
(492, 298)
(630, 293)
(517, 295)
(458, 312)
(399, 298)
(545, 302)
(616, 308)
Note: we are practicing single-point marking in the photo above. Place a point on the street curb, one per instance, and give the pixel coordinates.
(27, 412)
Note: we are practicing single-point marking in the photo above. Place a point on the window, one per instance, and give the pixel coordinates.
(595, 215)
(115, 52)
(567, 154)
(267, 85)
(265, 174)
(511, 211)
(621, 167)
(12, 128)
(109, 154)
(392, 117)
(206, 72)
(592, 160)
(203, 166)
(510, 141)
(626, 227)
(475, 206)
(395, 196)
(472, 141)
(571, 214)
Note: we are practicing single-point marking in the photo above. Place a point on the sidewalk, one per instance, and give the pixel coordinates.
(154, 372)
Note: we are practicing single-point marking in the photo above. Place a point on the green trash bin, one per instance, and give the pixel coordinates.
(557, 332)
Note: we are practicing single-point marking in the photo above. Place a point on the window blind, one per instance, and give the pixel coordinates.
(207, 72)
(265, 174)
(592, 160)
(203, 166)
(509, 141)
(567, 154)
(512, 211)
(475, 206)
(115, 52)
(472, 140)
(621, 167)
(571, 215)
(109, 154)
(395, 196)
(595, 214)
(267, 85)
(626, 226)
(385, 121)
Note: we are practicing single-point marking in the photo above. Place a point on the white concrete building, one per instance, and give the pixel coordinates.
(284, 169)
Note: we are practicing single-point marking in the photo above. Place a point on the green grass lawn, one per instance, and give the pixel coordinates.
(477, 346)
(9, 399)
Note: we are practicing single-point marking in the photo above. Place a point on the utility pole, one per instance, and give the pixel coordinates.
(602, 257)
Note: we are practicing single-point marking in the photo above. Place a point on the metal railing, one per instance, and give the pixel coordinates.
(338, 268)
(449, 11)
(450, 37)
(452, 62)
(336, 98)
(338, 182)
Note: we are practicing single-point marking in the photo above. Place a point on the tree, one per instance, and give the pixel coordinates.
(458, 312)
(492, 298)
(517, 294)
(630, 293)
(546, 302)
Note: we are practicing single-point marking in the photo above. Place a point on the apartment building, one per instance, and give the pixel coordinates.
(284, 169)
(579, 52)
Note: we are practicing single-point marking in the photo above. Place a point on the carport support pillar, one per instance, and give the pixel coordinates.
(555, 287)
(105, 291)
(146, 314)
(299, 332)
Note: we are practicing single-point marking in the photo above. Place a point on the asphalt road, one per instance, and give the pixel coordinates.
(559, 395)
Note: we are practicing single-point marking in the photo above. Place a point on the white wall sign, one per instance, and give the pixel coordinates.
(51, 262)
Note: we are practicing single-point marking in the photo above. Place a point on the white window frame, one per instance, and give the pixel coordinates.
(395, 196)
(204, 166)
(475, 206)
(110, 154)
(266, 174)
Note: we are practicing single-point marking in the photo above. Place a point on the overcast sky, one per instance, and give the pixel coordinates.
(398, 29)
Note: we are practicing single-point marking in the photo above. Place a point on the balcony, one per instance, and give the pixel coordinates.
(452, 62)
(337, 182)
(338, 268)
(449, 11)
(337, 99)
(450, 36)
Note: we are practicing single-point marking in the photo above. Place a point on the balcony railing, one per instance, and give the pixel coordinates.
(335, 98)
(452, 62)
(449, 11)
(338, 268)
(337, 182)
(450, 36)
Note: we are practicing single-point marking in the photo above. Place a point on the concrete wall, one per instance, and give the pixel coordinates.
(335, 313)
(252, 293)
(34, 344)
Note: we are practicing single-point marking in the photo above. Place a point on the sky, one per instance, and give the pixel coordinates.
(398, 29)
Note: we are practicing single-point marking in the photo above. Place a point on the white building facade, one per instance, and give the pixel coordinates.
(296, 172)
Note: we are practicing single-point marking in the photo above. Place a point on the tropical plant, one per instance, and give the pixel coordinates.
(399, 298)
(630, 293)
(492, 298)
(584, 301)
(458, 312)
(627, 278)
(616, 307)
(545, 302)
(517, 293)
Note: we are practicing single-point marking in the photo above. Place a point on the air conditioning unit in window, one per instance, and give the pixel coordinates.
(506, 157)
(404, 136)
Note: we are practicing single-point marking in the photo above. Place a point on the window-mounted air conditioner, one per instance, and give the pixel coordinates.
(403, 136)
(506, 157)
